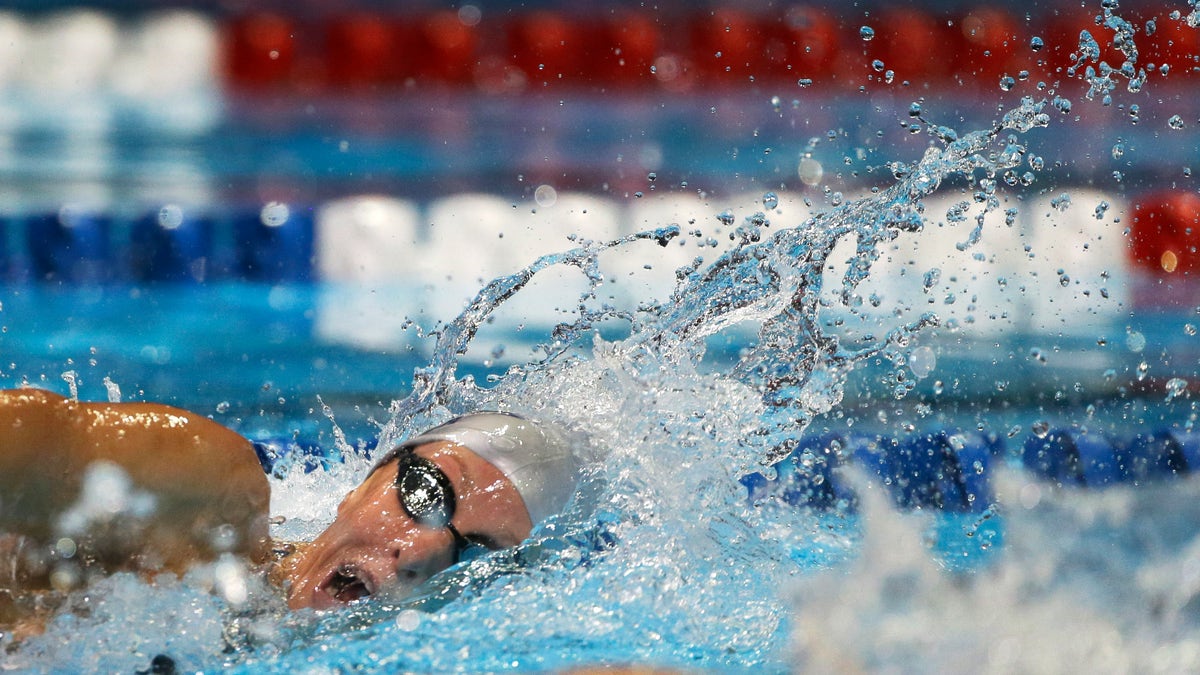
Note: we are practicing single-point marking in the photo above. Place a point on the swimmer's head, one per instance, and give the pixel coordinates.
(482, 479)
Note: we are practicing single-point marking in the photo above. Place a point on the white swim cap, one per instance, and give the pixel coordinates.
(533, 455)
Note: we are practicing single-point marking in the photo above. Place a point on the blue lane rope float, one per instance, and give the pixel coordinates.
(272, 243)
(946, 470)
(172, 245)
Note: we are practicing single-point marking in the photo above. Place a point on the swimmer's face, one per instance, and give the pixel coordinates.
(374, 546)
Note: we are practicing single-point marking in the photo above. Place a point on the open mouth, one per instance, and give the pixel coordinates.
(347, 584)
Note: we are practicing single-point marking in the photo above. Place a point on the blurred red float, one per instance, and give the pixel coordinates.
(546, 47)
(988, 47)
(917, 46)
(803, 43)
(621, 50)
(727, 46)
(361, 50)
(1166, 232)
(446, 49)
(259, 50)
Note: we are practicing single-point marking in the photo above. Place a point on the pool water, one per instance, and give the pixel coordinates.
(810, 320)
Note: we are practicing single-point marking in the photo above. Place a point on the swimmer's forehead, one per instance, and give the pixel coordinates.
(436, 450)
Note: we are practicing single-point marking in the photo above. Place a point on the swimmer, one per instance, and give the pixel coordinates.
(195, 490)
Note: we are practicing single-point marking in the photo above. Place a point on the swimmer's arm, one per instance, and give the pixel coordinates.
(202, 474)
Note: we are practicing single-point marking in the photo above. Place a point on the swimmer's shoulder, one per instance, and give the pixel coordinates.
(197, 468)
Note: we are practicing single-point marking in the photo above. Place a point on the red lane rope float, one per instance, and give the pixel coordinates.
(623, 49)
(363, 49)
(682, 50)
(547, 47)
(1165, 235)
(912, 43)
(990, 46)
(446, 48)
(259, 50)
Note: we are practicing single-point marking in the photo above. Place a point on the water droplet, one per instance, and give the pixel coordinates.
(223, 407)
(1135, 341)
(72, 379)
(1036, 44)
(810, 171)
(770, 200)
(1176, 122)
(1189, 329)
(866, 33)
(1143, 369)
(1040, 428)
(274, 214)
(545, 195)
(1175, 387)
(931, 278)
(726, 217)
(1007, 83)
(878, 65)
(651, 176)
(113, 390)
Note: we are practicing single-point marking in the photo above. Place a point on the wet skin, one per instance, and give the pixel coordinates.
(373, 546)
(203, 477)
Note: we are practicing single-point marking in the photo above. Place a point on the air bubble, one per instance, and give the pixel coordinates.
(866, 33)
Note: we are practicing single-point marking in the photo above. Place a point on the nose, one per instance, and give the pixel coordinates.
(352, 559)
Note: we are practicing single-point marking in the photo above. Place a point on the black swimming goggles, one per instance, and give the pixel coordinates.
(427, 496)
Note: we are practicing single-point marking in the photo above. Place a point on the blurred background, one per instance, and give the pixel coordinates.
(123, 107)
(429, 143)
